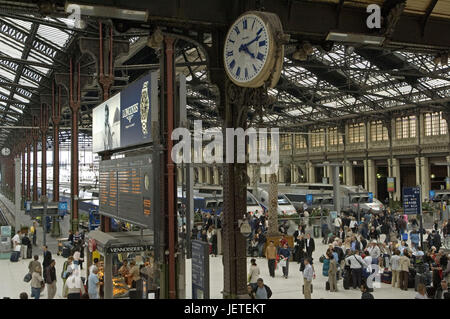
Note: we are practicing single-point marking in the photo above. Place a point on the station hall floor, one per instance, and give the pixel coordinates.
(12, 284)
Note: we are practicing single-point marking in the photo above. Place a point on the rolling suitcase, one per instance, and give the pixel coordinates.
(420, 279)
(411, 281)
(14, 256)
(346, 281)
(327, 285)
(386, 277)
(30, 252)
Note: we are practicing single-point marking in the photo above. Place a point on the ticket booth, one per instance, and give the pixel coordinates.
(114, 248)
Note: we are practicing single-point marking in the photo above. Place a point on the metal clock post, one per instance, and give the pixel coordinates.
(253, 57)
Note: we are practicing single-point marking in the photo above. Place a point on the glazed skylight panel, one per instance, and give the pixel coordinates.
(21, 24)
(53, 35)
(12, 107)
(4, 91)
(21, 99)
(11, 118)
(25, 81)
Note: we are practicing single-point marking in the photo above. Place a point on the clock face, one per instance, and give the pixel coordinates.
(6, 151)
(246, 49)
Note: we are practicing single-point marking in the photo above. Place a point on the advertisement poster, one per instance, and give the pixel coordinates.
(391, 184)
(124, 120)
(106, 125)
(135, 113)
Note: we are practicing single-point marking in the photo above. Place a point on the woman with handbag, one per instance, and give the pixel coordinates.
(37, 282)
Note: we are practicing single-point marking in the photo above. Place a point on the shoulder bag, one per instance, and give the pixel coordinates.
(362, 266)
(27, 277)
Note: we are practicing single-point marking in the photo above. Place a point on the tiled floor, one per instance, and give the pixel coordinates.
(11, 278)
(12, 284)
(291, 288)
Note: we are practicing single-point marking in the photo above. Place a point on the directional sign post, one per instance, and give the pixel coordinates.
(411, 200)
(200, 270)
(412, 204)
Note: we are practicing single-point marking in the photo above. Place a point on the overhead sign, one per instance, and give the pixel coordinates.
(370, 195)
(37, 209)
(128, 249)
(62, 208)
(28, 206)
(411, 200)
(391, 184)
(200, 270)
(309, 199)
(124, 120)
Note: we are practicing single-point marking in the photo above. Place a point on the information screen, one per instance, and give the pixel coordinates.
(126, 189)
(411, 200)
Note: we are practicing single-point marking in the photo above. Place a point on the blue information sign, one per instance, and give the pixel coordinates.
(62, 208)
(200, 270)
(309, 199)
(432, 194)
(411, 200)
(27, 205)
(370, 197)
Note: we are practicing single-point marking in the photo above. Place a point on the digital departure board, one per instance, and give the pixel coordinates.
(126, 189)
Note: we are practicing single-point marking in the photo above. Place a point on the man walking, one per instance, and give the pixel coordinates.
(16, 242)
(309, 245)
(271, 256)
(404, 264)
(356, 264)
(308, 274)
(337, 224)
(395, 267)
(50, 279)
(47, 259)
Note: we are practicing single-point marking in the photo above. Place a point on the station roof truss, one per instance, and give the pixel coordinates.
(345, 82)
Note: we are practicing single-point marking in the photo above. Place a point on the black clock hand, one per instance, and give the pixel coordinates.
(255, 39)
(248, 52)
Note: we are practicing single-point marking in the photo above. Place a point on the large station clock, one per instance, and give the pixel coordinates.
(253, 50)
(6, 151)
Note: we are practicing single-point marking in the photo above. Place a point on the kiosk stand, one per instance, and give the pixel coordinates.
(116, 247)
